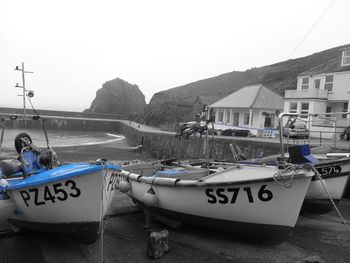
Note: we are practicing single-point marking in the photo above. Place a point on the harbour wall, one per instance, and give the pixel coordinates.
(165, 145)
(158, 143)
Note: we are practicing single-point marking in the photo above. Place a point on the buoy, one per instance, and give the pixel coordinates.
(150, 197)
(3, 182)
(124, 186)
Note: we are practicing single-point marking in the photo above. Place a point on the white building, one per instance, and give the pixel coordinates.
(323, 89)
(252, 107)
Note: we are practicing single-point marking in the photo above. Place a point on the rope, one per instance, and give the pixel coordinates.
(330, 197)
(288, 168)
(31, 104)
(102, 226)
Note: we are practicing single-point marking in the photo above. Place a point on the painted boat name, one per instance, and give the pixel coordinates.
(57, 192)
(221, 195)
(113, 182)
(327, 170)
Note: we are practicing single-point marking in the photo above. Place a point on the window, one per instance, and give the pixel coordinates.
(345, 58)
(328, 85)
(304, 110)
(305, 83)
(317, 83)
(221, 116)
(293, 107)
(246, 118)
(345, 109)
(328, 110)
(228, 116)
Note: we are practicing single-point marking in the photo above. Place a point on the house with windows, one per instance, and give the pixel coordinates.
(254, 107)
(321, 90)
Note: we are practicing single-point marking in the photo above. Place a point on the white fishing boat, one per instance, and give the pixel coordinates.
(7, 207)
(71, 199)
(335, 177)
(334, 169)
(250, 200)
(40, 194)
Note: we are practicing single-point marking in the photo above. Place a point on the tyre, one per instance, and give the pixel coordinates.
(22, 140)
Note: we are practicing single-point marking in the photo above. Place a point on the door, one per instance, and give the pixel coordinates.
(269, 119)
(235, 118)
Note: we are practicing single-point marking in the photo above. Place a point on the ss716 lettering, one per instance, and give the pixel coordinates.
(56, 192)
(229, 195)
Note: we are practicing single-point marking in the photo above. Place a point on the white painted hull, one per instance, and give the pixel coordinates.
(256, 205)
(76, 203)
(7, 207)
(335, 187)
(335, 176)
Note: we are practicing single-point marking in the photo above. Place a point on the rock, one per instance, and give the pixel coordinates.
(157, 244)
(118, 97)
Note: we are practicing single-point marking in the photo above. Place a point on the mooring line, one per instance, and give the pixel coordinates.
(330, 197)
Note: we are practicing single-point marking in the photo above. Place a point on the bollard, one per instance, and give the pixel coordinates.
(157, 244)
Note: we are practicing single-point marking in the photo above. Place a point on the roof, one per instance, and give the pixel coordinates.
(252, 97)
(331, 66)
(206, 100)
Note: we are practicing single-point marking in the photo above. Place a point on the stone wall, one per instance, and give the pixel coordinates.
(161, 145)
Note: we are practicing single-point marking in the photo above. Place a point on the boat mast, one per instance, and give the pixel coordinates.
(207, 138)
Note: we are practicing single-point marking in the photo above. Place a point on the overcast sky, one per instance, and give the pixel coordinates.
(74, 46)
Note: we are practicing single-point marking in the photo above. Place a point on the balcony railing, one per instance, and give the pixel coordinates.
(306, 94)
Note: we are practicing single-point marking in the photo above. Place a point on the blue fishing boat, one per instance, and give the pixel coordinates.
(39, 193)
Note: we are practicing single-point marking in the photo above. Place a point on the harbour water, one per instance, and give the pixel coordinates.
(61, 138)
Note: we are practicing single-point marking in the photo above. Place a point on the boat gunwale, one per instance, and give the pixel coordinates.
(167, 181)
(22, 183)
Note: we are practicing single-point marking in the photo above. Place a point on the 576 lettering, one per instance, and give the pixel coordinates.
(229, 195)
(56, 192)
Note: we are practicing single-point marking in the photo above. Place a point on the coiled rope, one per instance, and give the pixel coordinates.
(290, 169)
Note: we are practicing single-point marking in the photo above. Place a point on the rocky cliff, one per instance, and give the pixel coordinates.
(174, 105)
(118, 97)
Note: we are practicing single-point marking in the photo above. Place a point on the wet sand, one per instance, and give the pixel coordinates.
(321, 238)
(117, 151)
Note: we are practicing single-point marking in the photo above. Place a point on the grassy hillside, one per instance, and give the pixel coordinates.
(175, 105)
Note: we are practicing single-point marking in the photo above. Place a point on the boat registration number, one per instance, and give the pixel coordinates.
(327, 170)
(56, 192)
(113, 182)
(229, 195)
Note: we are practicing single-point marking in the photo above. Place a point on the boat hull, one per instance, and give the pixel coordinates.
(265, 233)
(335, 176)
(7, 207)
(260, 209)
(73, 206)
